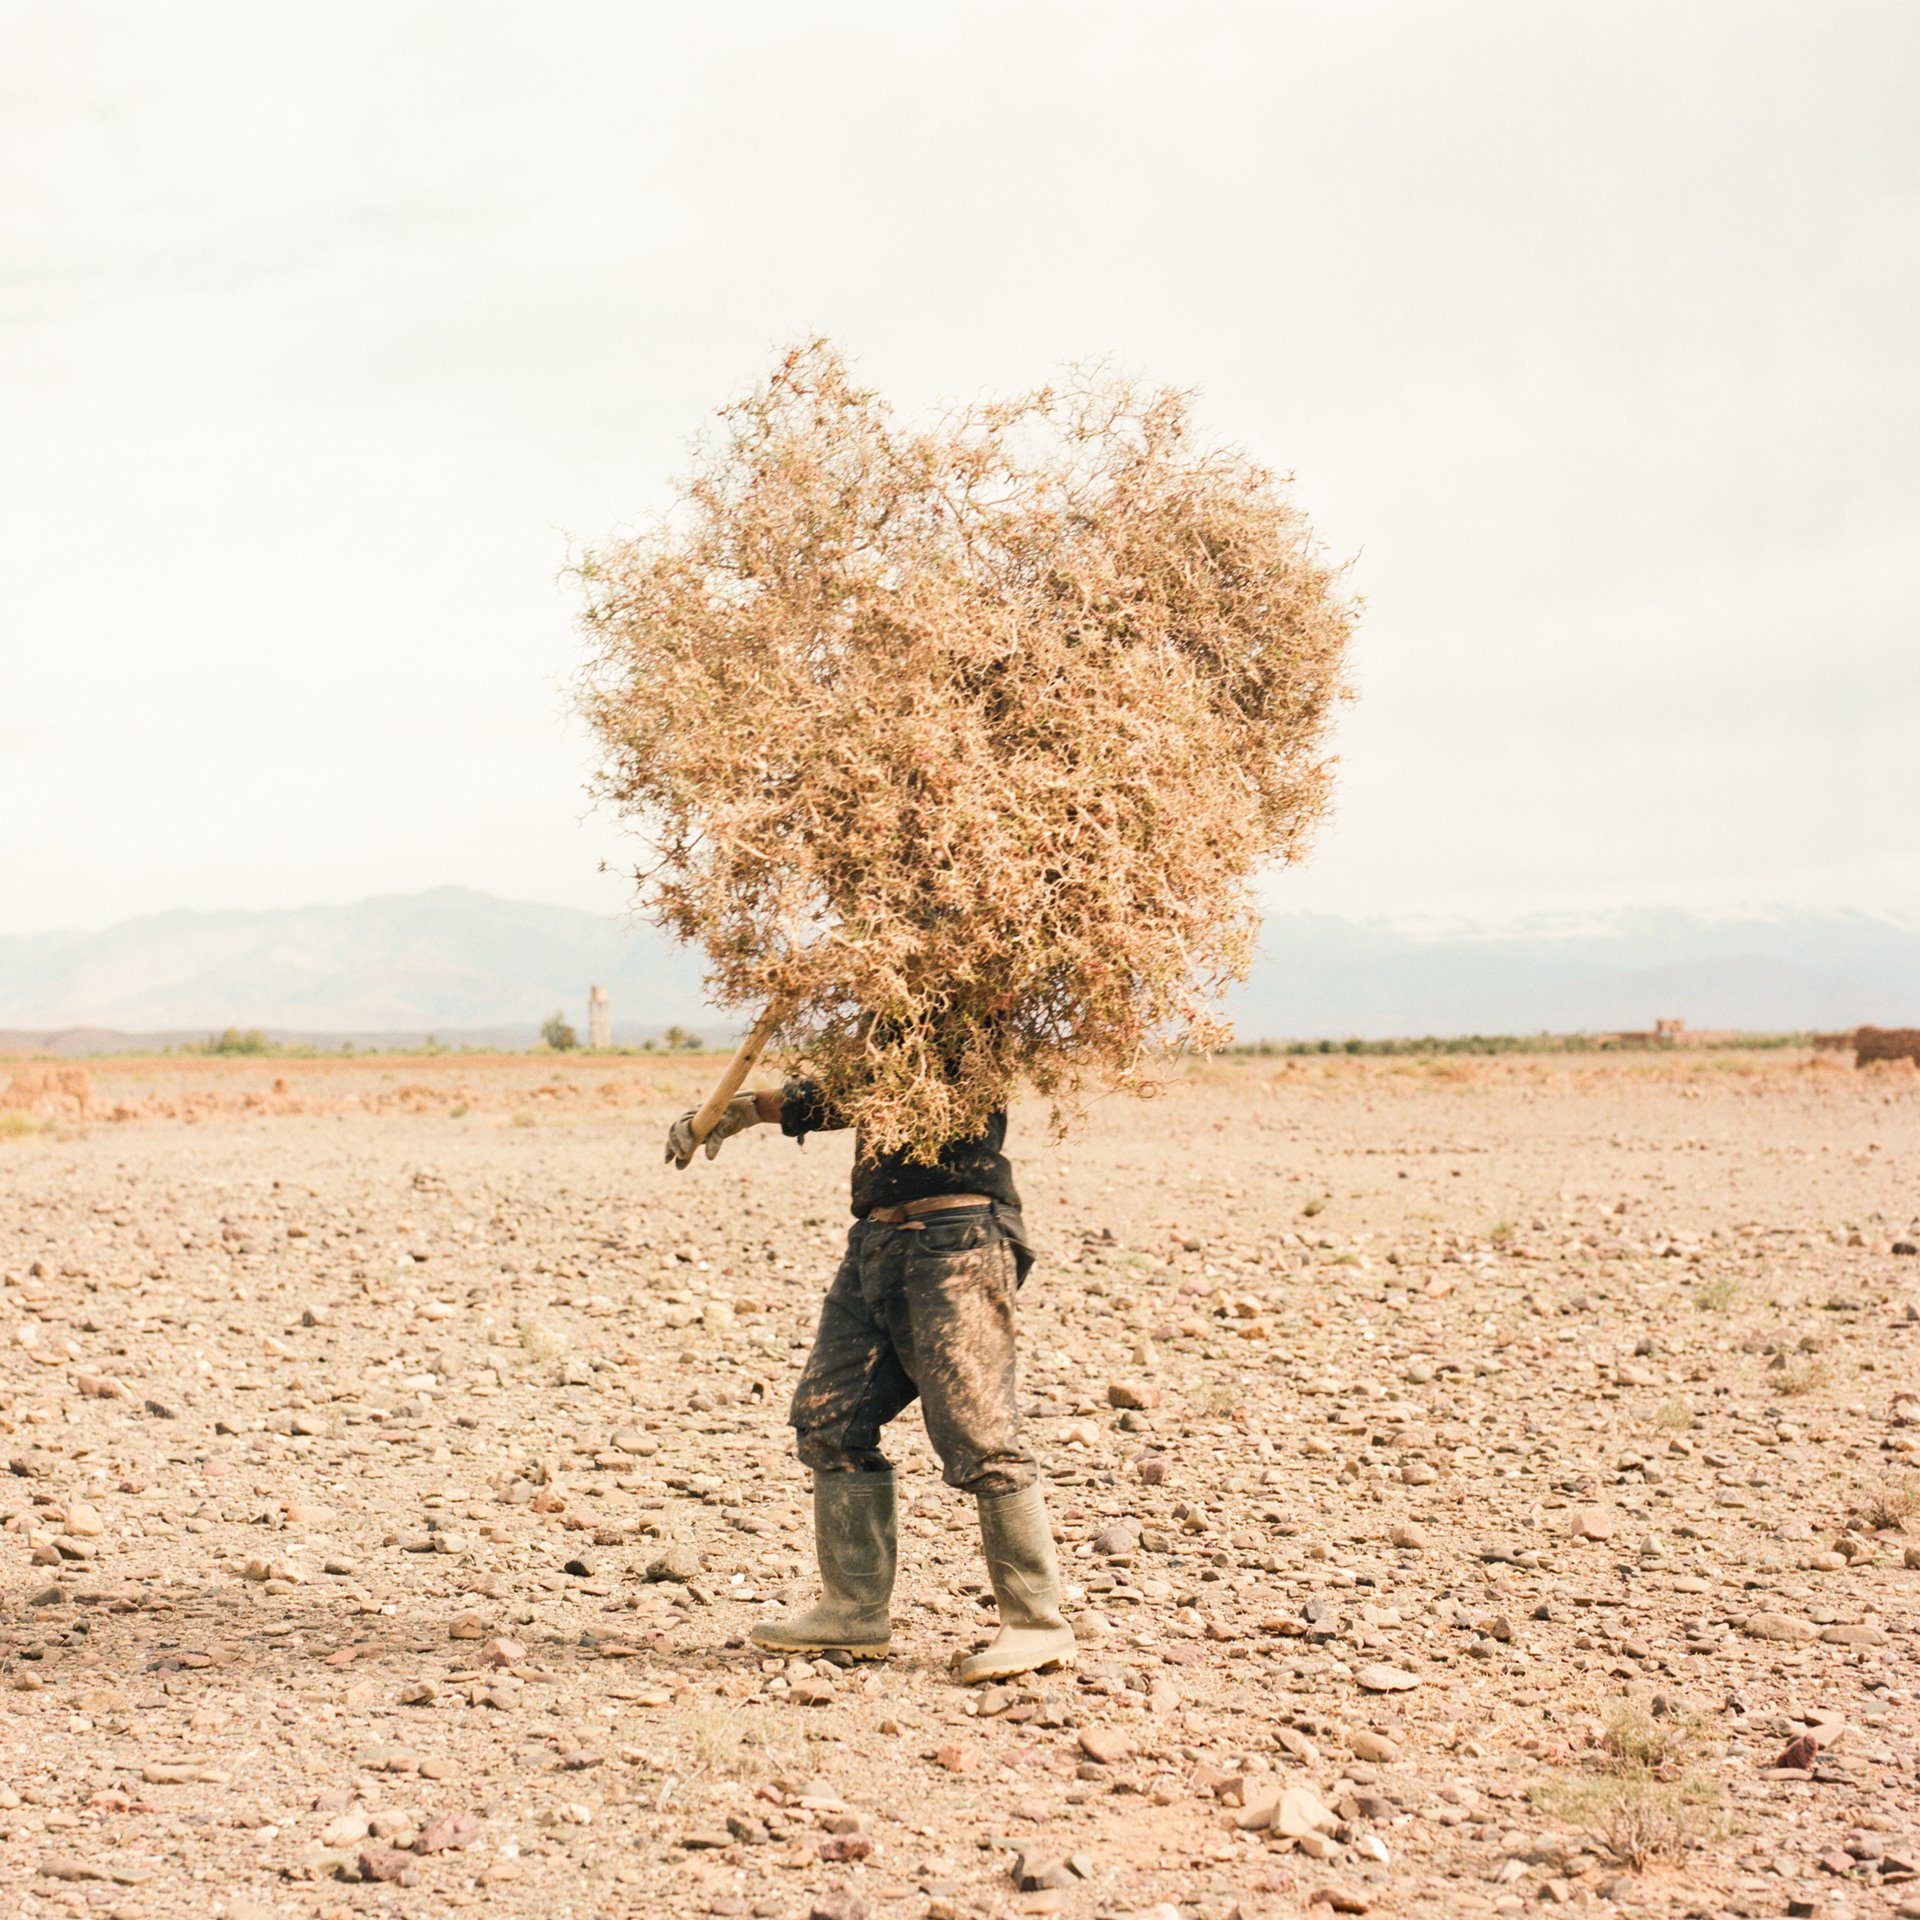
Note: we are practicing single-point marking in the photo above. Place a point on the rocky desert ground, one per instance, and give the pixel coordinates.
(1485, 1485)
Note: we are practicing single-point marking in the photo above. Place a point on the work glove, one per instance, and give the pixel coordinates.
(740, 1113)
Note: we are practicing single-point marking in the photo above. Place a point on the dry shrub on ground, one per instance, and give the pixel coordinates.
(1646, 1798)
(964, 745)
(1891, 1504)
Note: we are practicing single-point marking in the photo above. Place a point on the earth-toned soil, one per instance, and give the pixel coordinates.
(1484, 1484)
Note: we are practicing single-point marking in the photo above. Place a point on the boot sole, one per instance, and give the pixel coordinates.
(979, 1676)
(877, 1650)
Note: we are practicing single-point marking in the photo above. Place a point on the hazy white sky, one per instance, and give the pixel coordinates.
(1590, 330)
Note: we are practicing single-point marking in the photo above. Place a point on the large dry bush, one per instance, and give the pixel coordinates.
(964, 744)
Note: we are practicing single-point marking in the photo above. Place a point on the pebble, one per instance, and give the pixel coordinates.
(1341, 1899)
(1778, 1626)
(1593, 1523)
(450, 1832)
(389, 1864)
(678, 1564)
(1377, 1677)
(1300, 1811)
(1106, 1746)
(1864, 1635)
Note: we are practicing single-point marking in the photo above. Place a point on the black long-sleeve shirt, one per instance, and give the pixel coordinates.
(974, 1165)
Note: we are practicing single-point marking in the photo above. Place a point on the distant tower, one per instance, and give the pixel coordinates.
(599, 1020)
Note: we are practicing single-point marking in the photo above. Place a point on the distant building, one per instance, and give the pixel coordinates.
(1663, 1033)
(1668, 1033)
(599, 1018)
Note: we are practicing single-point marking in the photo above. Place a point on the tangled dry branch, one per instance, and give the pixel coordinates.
(965, 744)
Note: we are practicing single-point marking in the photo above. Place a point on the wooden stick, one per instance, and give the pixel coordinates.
(745, 1059)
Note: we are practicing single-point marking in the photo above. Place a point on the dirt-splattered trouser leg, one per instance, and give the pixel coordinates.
(924, 1311)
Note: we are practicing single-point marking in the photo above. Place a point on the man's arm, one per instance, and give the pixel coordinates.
(744, 1110)
(798, 1109)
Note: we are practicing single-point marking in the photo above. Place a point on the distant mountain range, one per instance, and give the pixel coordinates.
(1758, 972)
(473, 969)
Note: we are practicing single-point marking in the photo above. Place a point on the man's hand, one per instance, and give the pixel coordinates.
(741, 1112)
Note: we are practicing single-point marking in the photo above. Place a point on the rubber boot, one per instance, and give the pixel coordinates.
(1018, 1541)
(857, 1543)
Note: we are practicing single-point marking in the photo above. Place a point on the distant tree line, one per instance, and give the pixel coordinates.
(1487, 1043)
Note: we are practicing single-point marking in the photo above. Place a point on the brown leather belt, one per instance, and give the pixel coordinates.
(907, 1214)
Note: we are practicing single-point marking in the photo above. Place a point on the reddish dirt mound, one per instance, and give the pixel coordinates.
(54, 1093)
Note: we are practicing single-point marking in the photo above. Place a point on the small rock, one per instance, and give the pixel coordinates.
(1593, 1523)
(1301, 1811)
(678, 1564)
(468, 1626)
(1779, 1626)
(388, 1864)
(449, 1832)
(1260, 1801)
(65, 1867)
(1411, 1537)
(84, 1522)
(1106, 1746)
(839, 1904)
(1380, 1678)
(1139, 1396)
(1040, 1873)
(1340, 1899)
(1376, 1747)
(349, 1829)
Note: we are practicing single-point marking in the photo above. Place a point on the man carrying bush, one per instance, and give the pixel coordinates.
(921, 1308)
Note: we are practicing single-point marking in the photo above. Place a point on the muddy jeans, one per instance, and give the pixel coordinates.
(922, 1311)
